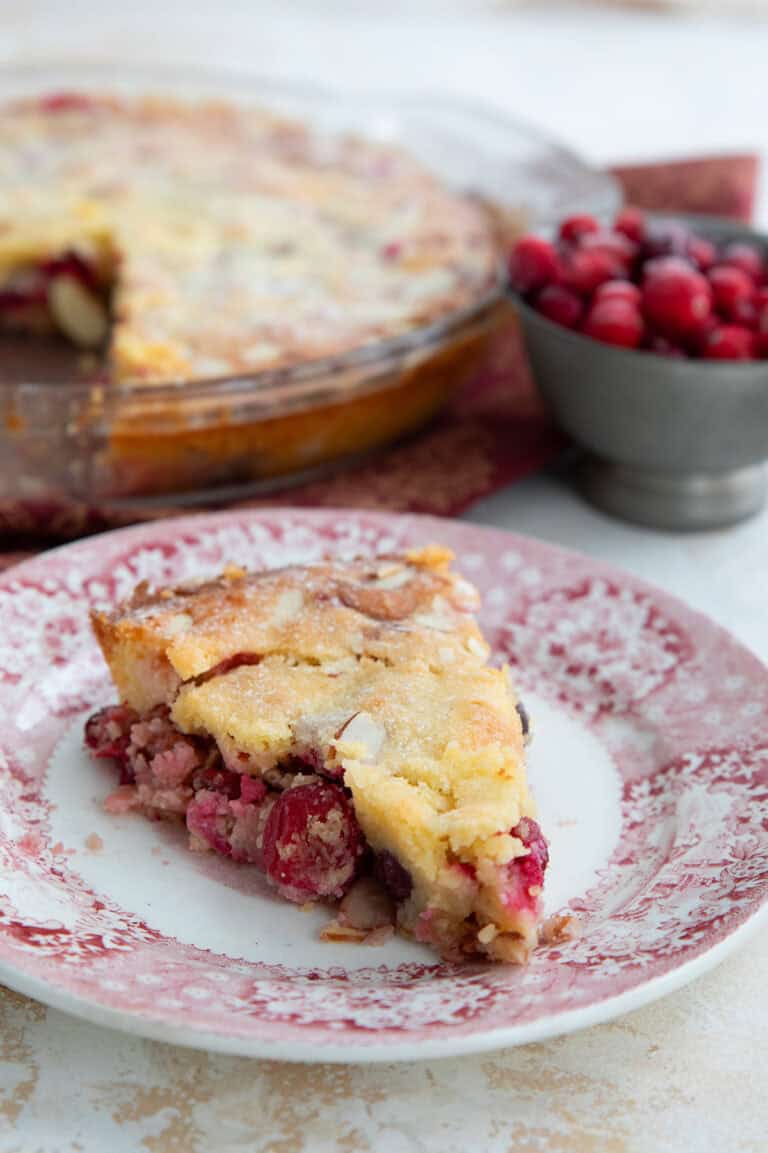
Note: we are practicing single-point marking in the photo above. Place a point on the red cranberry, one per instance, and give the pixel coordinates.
(533, 263)
(209, 817)
(761, 324)
(108, 731)
(631, 223)
(314, 761)
(702, 252)
(747, 257)
(619, 290)
(729, 342)
(33, 294)
(614, 322)
(574, 228)
(585, 271)
(73, 265)
(252, 790)
(666, 238)
(745, 312)
(617, 246)
(676, 298)
(663, 265)
(312, 842)
(663, 347)
(218, 781)
(391, 251)
(695, 340)
(66, 102)
(730, 287)
(560, 304)
(534, 865)
(761, 311)
(394, 876)
(761, 345)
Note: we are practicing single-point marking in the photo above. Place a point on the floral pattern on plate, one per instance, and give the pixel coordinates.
(678, 706)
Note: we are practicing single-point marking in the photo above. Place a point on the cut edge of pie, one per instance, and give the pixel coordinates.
(338, 726)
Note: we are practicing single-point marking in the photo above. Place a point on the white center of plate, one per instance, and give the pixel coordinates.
(212, 903)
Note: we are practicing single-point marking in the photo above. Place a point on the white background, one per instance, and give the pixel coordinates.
(616, 84)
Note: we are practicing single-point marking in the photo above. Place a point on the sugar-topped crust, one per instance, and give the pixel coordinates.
(374, 669)
(389, 608)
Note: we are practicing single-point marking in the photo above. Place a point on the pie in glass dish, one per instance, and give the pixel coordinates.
(338, 726)
(221, 295)
(204, 239)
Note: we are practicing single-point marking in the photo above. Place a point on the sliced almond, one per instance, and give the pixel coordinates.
(509, 948)
(437, 617)
(559, 927)
(289, 605)
(464, 595)
(476, 647)
(379, 936)
(363, 731)
(367, 905)
(77, 312)
(178, 623)
(333, 931)
(393, 577)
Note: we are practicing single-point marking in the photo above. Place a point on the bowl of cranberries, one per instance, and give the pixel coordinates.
(649, 339)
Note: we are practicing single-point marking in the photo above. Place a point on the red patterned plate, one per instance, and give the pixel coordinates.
(650, 764)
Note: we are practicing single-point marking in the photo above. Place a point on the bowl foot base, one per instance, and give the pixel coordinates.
(672, 500)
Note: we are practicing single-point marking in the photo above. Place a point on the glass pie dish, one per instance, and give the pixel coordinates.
(104, 445)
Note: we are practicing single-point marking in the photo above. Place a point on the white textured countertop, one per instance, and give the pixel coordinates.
(686, 1075)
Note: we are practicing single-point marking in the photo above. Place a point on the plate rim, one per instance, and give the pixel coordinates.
(313, 1053)
(360, 1051)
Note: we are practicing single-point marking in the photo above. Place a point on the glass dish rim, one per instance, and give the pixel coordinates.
(112, 72)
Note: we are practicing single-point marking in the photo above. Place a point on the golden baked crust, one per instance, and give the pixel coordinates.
(376, 672)
(239, 241)
(388, 608)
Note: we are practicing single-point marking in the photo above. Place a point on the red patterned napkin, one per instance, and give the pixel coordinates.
(496, 430)
(714, 186)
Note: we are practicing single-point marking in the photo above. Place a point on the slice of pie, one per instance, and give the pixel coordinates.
(338, 726)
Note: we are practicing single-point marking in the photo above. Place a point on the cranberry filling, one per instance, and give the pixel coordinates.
(219, 780)
(32, 295)
(66, 102)
(28, 288)
(108, 734)
(71, 264)
(210, 818)
(303, 833)
(306, 838)
(394, 876)
(312, 842)
(66, 293)
(525, 875)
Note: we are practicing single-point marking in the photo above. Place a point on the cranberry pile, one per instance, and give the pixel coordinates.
(647, 284)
